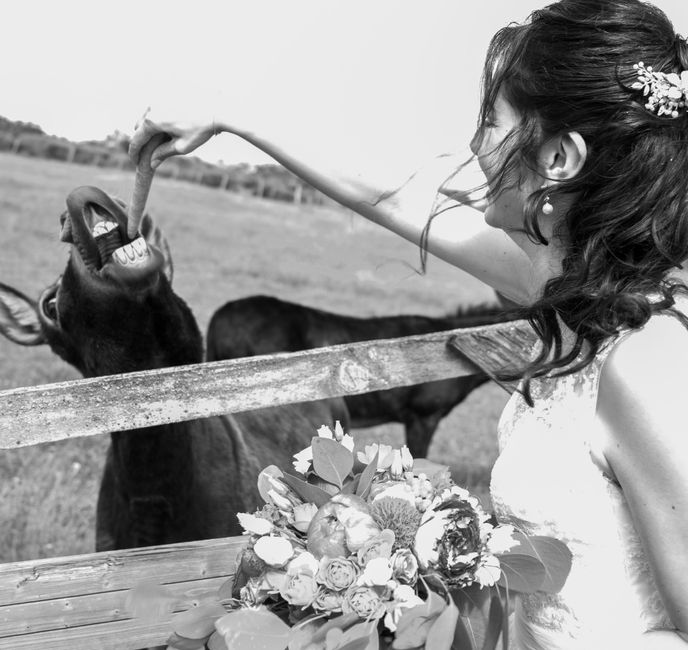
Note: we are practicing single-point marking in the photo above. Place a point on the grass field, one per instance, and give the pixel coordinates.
(224, 246)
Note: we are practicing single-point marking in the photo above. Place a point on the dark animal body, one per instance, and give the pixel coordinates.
(112, 311)
(258, 325)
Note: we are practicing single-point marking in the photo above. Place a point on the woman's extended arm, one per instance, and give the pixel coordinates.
(458, 235)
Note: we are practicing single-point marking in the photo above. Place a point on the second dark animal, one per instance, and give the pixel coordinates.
(259, 324)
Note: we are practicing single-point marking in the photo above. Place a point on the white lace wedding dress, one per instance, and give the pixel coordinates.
(546, 482)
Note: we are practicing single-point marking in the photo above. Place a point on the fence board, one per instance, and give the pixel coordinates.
(79, 601)
(85, 407)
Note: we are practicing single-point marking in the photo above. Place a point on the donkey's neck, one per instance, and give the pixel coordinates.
(154, 461)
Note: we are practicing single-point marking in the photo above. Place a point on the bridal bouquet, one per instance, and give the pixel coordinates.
(357, 551)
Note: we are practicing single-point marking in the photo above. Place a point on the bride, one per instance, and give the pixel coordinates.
(583, 141)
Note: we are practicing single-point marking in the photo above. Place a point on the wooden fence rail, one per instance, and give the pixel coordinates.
(79, 602)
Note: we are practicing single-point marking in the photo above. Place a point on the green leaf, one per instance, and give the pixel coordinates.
(226, 589)
(331, 461)
(150, 602)
(216, 642)
(522, 573)
(197, 622)
(343, 622)
(181, 643)
(495, 622)
(351, 485)
(463, 637)
(441, 634)
(254, 628)
(552, 553)
(470, 598)
(309, 493)
(367, 476)
(415, 623)
(363, 636)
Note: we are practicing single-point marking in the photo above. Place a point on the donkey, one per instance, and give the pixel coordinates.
(263, 324)
(113, 310)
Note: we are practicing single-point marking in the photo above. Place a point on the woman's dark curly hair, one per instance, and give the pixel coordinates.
(570, 68)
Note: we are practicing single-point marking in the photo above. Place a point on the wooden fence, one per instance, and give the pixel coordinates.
(78, 602)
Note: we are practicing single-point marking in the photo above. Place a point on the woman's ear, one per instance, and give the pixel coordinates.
(563, 156)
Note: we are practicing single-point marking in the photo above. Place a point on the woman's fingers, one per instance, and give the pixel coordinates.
(169, 148)
(145, 130)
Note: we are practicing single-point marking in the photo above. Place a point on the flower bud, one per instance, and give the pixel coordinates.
(396, 469)
(303, 515)
(406, 459)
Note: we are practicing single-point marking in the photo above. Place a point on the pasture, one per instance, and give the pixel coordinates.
(225, 246)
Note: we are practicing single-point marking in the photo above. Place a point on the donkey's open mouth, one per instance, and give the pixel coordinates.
(96, 225)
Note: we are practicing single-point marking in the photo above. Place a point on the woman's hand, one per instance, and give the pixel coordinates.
(184, 137)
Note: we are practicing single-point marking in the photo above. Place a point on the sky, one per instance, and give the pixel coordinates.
(397, 77)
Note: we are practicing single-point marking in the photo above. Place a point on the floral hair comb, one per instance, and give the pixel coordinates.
(666, 94)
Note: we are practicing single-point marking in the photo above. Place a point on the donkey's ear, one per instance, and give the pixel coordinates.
(19, 317)
(153, 235)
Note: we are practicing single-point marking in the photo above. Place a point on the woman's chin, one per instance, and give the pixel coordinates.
(491, 218)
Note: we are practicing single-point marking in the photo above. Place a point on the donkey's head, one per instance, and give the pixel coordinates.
(113, 309)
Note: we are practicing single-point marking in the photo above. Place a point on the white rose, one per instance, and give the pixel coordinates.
(489, 570)
(303, 515)
(254, 525)
(501, 539)
(303, 563)
(429, 533)
(377, 573)
(274, 551)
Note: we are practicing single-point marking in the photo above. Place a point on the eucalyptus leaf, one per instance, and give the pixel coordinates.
(522, 573)
(441, 633)
(366, 477)
(197, 622)
(415, 623)
(463, 637)
(351, 486)
(150, 602)
(556, 557)
(254, 628)
(181, 643)
(344, 622)
(309, 493)
(226, 589)
(216, 642)
(331, 461)
(470, 598)
(360, 637)
(495, 623)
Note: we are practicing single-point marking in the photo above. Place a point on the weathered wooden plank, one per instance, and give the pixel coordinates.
(501, 348)
(83, 407)
(93, 609)
(79, 575)
(130, 634)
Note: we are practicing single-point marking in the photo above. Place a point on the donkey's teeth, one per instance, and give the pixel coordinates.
(133, 253)
(103, 228)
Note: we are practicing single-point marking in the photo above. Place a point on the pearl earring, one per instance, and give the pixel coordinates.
(547, 207)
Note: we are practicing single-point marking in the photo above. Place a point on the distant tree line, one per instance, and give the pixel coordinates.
(270, 181)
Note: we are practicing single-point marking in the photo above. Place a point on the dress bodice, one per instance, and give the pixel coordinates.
(546, 482)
